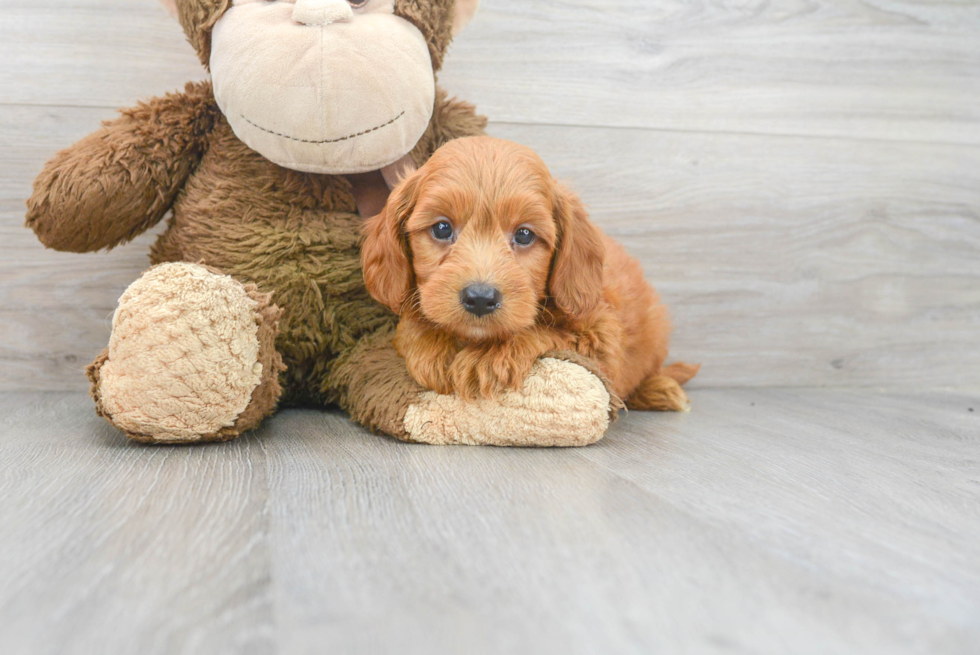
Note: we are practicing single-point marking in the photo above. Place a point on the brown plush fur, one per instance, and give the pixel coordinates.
(119, 181)
(571, 288)
(197, 17)
(293, 235)
(434, 20)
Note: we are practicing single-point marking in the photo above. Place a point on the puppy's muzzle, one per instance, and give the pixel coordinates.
(480, 299)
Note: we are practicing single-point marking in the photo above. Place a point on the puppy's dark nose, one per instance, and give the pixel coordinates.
(480, 299)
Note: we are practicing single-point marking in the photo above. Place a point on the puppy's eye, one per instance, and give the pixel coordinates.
(524, 237)
(443, 230)
(357, 3)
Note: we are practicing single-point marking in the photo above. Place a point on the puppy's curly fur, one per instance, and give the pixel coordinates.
(486, 211)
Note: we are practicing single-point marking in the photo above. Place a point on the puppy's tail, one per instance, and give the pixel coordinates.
(662, 392)
(681, 372)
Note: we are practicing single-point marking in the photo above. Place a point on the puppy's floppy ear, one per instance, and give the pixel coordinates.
(576, 270)
(384, 256)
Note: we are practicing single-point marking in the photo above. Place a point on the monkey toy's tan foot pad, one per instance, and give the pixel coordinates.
(564, 402)
(191, 357)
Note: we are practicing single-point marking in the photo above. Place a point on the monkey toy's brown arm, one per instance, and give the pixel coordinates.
(565, 401)
(119, 181)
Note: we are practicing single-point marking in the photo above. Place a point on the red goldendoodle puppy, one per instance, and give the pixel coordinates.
(491, 263)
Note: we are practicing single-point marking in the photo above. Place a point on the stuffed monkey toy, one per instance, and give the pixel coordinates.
(255, 299)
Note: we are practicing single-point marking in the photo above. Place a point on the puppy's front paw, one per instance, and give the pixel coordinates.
(428, 355)
(432, 375)
(488, 371)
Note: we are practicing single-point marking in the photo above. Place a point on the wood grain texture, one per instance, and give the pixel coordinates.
(801, 180)
(109, 547)
(787, 260)
(888, 69)
(895, 69)
(92, 53)
(764, 521)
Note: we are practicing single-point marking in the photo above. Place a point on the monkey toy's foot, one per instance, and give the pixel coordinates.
(564, 402)
(191, 357)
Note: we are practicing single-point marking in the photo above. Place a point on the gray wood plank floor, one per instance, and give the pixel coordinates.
(763, 521)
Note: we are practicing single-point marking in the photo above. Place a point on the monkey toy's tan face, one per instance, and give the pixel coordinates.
(323, 86)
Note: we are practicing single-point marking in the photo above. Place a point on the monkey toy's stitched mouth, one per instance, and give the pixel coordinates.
(343, 138)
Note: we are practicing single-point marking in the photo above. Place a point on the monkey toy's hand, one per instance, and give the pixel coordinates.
(564, 400)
